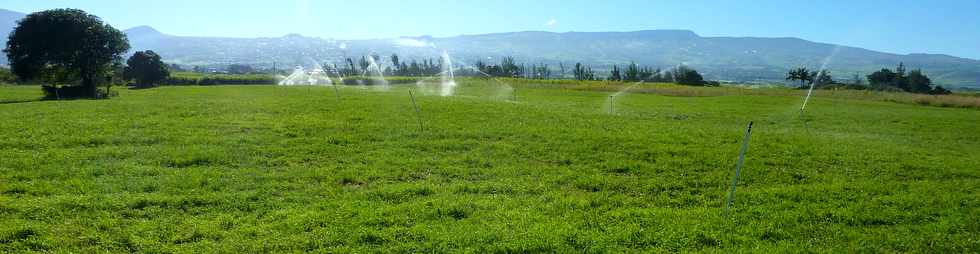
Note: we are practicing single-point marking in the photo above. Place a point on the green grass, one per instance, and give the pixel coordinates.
(291, 169)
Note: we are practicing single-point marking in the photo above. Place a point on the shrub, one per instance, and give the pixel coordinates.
(70, 92)
(6, 77)
(188, 78)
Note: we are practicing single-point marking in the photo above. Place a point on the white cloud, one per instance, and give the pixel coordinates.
(552, 22)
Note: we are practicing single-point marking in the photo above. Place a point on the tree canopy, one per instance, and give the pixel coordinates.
(686, 76)
(65, 46)
(823, 78)
(914, 81)
(582, 72)
(802, 74)
(146, 68)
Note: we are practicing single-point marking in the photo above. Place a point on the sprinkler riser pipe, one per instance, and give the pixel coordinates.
(418, 111)
(738, 168)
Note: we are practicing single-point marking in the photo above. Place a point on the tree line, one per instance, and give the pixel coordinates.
(510, 68)
(415, 68)
(885, 79)
(681, 75)
(507, 67)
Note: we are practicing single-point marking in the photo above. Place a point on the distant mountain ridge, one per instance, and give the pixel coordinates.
(743, 59)
(8, 20)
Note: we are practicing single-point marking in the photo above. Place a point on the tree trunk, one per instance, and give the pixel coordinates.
(89, 84)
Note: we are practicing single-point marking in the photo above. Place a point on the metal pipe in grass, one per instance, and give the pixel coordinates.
(738, 168)
(418, 111)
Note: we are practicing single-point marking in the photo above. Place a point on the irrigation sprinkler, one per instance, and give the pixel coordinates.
(738, 168)
(418, 112)
(612, 109)
(515, 95)
(336, 92)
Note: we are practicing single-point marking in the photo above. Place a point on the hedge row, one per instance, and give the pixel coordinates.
(220, 80)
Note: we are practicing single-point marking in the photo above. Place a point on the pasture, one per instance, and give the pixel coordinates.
(294, 169)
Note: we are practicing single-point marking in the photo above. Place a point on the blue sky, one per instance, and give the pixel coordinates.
(898, 26)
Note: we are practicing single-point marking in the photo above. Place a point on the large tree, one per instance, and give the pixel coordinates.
(66, 46)
(914, 81)
(823, 78)
(802, 74)
(146, 68)
(583, 72)
(687, 76)
(883, 79)
(614, 74)
(632, 73)
(918, 82)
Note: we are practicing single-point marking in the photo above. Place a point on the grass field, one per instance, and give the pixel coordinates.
(292, 169)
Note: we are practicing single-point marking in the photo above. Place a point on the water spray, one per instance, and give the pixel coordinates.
(738, 168)
(807, 98)
(491, 77)
(418, 112)
(372, 64)
(300, 76)
(823, 67)
(448, 77)
(612, 97)
(612, 108)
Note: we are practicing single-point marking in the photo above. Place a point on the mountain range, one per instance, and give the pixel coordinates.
(740, 59)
